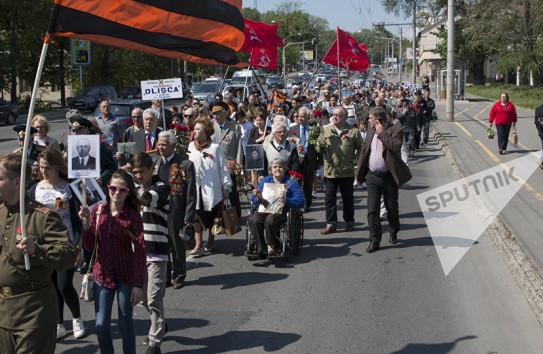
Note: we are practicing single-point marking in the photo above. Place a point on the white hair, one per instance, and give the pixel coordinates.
(151, 112)
(168, 134)
(276, 125)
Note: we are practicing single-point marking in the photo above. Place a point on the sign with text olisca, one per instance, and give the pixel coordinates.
(161, 89)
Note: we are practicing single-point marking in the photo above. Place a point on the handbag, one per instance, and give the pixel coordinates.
(218, 225)
(514, 137)
(86, 292)
(230, 219)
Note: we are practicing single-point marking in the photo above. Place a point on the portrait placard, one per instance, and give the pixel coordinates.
(272, 193)
(93, 193)
(83, 156)
(254, 157)
(127, 151)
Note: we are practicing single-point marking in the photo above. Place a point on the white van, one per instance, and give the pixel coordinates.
(246, 76)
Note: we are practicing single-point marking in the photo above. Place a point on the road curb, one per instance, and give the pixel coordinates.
(525, 273)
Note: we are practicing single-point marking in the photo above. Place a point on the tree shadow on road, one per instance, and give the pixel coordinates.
(233, 341)
(439, 348)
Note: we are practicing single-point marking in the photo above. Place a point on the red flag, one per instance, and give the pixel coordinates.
(186, 30)
(260, 35)
(351, 55)
(265, 58)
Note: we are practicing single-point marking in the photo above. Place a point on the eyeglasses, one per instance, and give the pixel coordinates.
(135, 117)
(115, 189)
(187, 115)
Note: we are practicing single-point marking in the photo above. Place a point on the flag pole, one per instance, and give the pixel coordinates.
(224, 78)
(259, 84)
(338, 62)
(22, 186)
(314, 73)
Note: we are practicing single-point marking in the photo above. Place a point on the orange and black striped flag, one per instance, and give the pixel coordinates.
(199, 31)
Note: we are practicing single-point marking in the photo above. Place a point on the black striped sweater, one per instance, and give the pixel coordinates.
(154, 214)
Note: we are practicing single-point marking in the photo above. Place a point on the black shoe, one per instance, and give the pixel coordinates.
(307, 209)
(84, 268)
(502, 152)
(349, 227)
(374, 246)
(274, 254)
(176, 284)
(153, 350)
(393, 240)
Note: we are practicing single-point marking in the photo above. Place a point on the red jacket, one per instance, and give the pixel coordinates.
(501, 116)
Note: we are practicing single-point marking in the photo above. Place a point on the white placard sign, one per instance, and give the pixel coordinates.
(83, 156)
(161, 89)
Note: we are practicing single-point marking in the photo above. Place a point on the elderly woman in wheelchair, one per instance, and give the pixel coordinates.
(281, 194)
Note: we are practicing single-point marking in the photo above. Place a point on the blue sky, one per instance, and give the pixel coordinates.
(344, 14)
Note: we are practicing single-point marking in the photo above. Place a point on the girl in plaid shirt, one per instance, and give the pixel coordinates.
(119, 265)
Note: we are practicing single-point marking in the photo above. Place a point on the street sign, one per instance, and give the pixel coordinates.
(161, 89)
(80, 52)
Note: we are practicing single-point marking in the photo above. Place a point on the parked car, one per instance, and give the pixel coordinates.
(233, 88)
(88, 98)
(274, 81)
(131, 91)
(206, 90)
(122, 109)
(297, 80)
(8, 112)
(320, 78)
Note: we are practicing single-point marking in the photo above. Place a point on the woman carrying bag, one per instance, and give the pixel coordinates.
(119, 261)
(504, 114)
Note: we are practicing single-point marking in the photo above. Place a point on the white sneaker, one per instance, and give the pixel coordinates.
(61, 331)
(79, 328)
(314, 194)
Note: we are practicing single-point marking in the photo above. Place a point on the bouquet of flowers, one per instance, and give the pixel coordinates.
(177, 178)
(182, 134)
(296, 176)
(300, 149)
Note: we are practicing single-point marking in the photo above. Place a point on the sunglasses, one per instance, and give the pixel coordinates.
(115, 189)
(187, 115)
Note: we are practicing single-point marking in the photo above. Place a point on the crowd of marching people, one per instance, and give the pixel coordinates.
(183, 168)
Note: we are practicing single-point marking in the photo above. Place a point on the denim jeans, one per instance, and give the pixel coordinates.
(103, 304)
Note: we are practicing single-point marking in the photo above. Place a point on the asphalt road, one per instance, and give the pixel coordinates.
(335, 298)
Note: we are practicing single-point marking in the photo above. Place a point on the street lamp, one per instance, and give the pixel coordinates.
(399, 42)
(285, 47)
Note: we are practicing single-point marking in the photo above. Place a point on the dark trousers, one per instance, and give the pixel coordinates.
(309, 178)
(66, 293)
(234, 195)
(503, 135)
(346, 189)
(271, 223)
(34, 340)
(178, 250)
(382, 184)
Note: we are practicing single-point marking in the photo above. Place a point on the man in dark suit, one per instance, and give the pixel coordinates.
(147, 137)
(228, 136)
(308, 163)
(182, 200)
(84, 161)
(381, 167)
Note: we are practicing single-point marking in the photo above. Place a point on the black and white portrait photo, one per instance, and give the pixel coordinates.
(125, 153)
(83, 156)
(92, 191)
(254, 157)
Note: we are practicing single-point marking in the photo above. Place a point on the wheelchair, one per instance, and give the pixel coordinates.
(290, 236)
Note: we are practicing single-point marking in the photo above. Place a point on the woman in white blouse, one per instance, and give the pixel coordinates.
(213, 182)
(41, 138)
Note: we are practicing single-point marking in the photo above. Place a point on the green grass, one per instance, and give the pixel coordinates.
(521, 96)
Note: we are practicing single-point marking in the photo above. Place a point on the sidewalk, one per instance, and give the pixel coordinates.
(519, 239)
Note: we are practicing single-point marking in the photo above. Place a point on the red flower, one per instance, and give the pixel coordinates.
(186, 129)
(292, 140)
(301, 148)
(295, 175)
(172, 125)
(178, 128)
(294, 133)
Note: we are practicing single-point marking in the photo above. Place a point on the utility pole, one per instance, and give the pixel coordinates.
(415, 43)
(449, 107)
